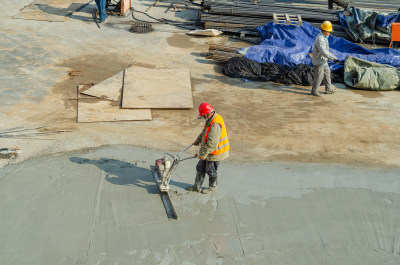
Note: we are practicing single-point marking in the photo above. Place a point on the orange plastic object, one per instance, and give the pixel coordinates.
(395, 33)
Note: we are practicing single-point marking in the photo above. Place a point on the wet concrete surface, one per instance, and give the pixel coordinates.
(102, 207)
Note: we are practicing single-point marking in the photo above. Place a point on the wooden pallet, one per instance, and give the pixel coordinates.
(287, 19)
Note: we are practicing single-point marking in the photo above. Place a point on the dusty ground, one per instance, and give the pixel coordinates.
(101, 205)
(43, 62)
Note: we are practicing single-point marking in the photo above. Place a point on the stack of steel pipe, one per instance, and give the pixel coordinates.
(375, 5)
(385, 6)
(265, 10)
(222, 53)
(245, 17)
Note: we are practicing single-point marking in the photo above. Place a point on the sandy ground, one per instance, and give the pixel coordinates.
(43, 62)
(337, 204)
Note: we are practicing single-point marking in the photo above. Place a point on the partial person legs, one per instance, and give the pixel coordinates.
(328, 85)
(101, 5)
(205, 167)
(321, 72)
(198, 182)
(318, 76)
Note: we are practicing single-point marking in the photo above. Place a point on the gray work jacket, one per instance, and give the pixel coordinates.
(321, 54)
(212, 142)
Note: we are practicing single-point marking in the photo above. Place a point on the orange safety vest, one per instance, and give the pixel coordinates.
(223, 144)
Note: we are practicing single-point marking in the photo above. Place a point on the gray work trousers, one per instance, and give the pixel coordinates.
(319, 73)
(209, 167)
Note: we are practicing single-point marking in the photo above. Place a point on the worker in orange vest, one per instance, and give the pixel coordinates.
(214, 147)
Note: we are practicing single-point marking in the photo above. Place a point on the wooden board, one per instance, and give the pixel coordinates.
(157, 88)
(109, 89)
(50, 10)
(95, 110)
(125, 6)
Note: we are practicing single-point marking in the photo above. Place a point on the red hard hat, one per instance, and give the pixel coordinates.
(204, 109)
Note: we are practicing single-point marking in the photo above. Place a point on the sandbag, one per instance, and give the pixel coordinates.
(367, 75)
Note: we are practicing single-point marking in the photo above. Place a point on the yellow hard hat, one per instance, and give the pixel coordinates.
(326, 26)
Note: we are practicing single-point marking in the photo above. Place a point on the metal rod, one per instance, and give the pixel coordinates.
(184, 150)
(165, 198)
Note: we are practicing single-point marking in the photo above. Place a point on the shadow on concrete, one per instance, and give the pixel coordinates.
(122, 173)
(237, 82)
(66, 12)
(172, 182)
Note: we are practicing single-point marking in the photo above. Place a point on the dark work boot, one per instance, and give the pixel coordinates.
(197, 183)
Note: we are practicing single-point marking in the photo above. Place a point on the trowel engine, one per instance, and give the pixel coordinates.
(166, 166)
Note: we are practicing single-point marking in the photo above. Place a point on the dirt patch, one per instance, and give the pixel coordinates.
(265, 121)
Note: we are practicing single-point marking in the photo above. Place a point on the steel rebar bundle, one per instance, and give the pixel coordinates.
(266, 10)
(390, 6)
(210, 4)
(244, 17)
(233, 23)
(222, 53)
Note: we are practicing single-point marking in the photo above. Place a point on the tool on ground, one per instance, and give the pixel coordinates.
(9, 153)
(162, 173)
(95, 18)
(141, 27)
(166, 167)
(152, 5)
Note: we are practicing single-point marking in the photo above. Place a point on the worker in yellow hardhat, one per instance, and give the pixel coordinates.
(320, 56)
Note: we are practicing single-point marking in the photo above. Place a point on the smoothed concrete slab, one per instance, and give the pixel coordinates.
(103, 207)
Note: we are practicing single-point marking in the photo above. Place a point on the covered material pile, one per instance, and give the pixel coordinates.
(366, 75)
(300, 74)
(368, 26)
(291, 45)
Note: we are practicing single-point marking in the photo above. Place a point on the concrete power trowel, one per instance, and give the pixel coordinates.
(166, 166)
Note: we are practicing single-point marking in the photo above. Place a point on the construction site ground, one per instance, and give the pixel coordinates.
(309, 180)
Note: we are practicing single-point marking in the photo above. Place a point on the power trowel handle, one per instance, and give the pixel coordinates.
(184, 150)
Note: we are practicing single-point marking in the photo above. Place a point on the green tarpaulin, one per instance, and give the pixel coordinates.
(367, 75)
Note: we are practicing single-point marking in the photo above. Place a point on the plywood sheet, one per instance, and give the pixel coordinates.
(95, 110)
(50, 10)
(157, 88)
(109, 89)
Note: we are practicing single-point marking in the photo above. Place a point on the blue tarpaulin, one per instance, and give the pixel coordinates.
(290, 45)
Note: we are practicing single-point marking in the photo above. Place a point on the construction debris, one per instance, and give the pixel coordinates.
(205, 32)
(219, 52)
(9, 153)
(21, 132)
